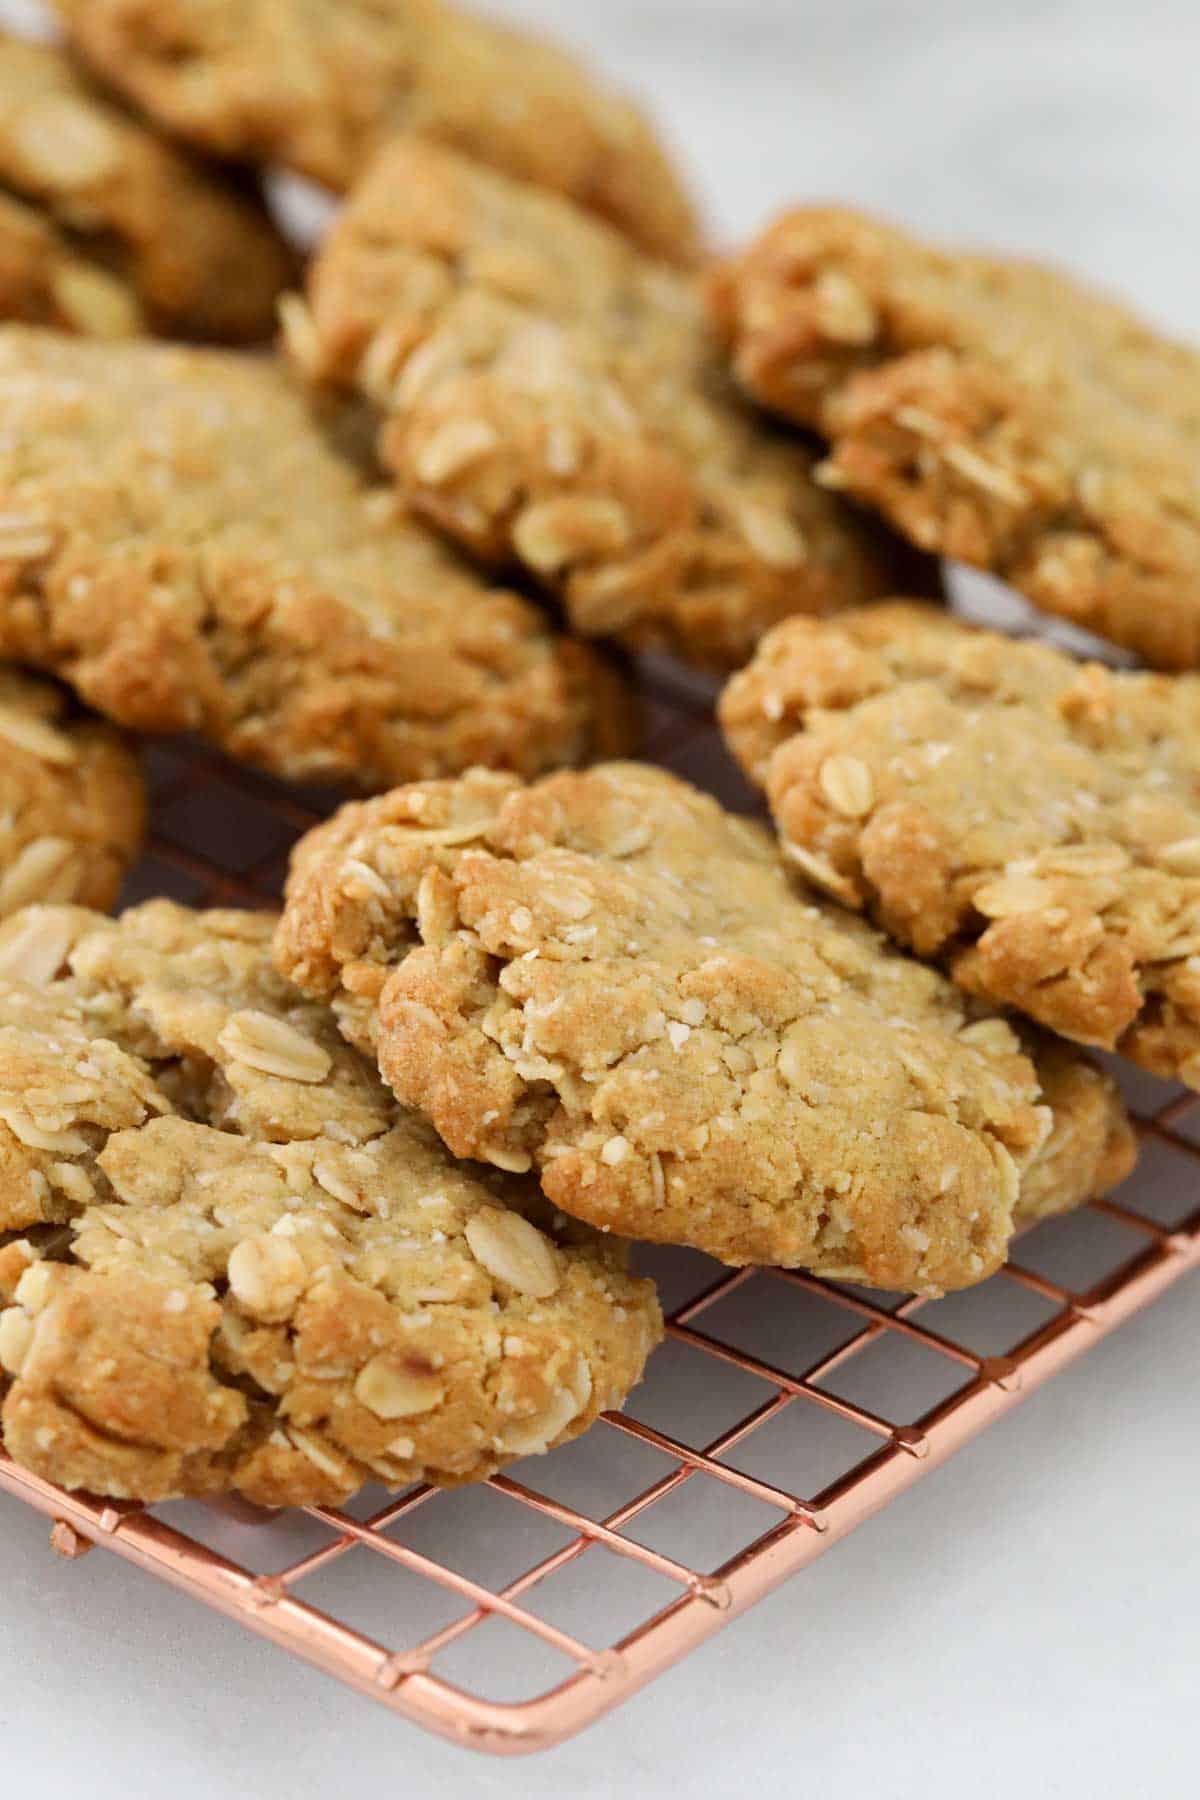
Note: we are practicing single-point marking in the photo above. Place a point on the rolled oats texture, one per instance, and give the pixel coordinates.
(551, 396)
(72, 802)
(188, 546)
(44, 280)
(318, 85)
(993, 410)
(1031, 821)
(132, 232)
(259, 1273)
(608, 980)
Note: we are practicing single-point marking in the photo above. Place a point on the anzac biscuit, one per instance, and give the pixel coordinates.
(1031, 821)
(318, 84)
(135, 235)
(994, 411)
(610, 980)
(553, 398)
(241, 1265)
(183, 543)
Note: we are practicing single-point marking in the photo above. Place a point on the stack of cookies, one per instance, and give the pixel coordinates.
(290, 1204)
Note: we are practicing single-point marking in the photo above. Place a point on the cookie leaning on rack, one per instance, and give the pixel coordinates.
(190, 549)
(606, 978)
(553, 398)
(238, 1264)
(1030, 821)
(993, 410)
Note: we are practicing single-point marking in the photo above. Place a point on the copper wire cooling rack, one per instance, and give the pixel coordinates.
(781, 1413)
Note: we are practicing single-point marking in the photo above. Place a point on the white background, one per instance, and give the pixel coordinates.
(1026, 1620)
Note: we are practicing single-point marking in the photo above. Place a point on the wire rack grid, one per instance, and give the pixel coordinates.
(782, 1412)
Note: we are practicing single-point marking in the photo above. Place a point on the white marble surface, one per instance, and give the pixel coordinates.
(1026, 1620)
(1066, 127)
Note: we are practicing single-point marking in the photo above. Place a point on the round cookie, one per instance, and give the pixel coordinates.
(1030, 821)
(990, 408)
(187, 546)
(607, 978)
(318, 84)
(155, 240)
(242, 1265)
(554, 399)
(72, 803)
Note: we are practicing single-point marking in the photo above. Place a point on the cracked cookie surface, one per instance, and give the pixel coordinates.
(184, 544)
(1031, 821)
(553, 398)
(142, 236)
(608, 978)
(72, 802)
(236, 1263)
(994, 411)
(318, 84)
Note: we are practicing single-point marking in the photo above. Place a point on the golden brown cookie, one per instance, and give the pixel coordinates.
(319, 84)
(44, 280)
(136, 235)
(553, 398)
(1031, 821)
(72, 803)
(183, 543)
(267, 1276)
(607, 978)
(994, 411)
(1091, 1147)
